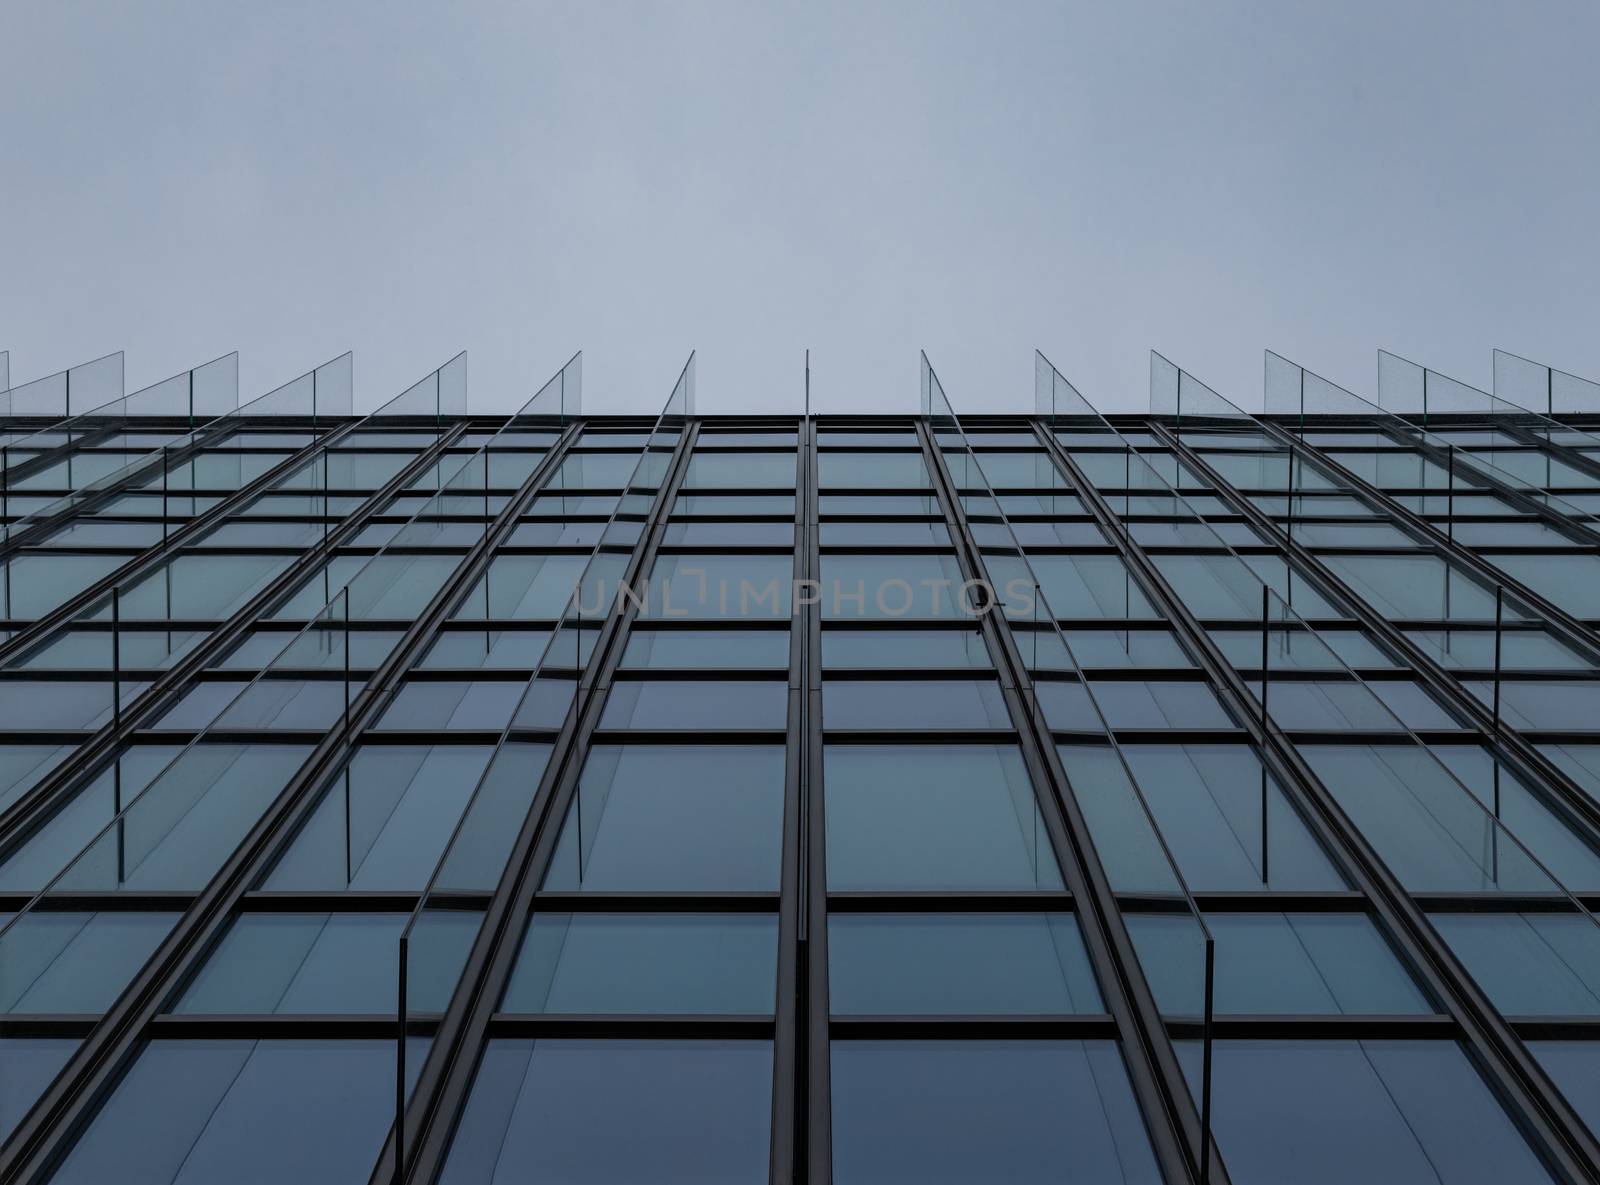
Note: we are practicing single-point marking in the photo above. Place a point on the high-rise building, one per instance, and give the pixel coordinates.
(1188, 796)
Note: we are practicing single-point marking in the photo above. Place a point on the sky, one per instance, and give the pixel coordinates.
(406, 180)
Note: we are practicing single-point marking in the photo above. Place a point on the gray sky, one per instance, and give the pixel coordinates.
(522, 180)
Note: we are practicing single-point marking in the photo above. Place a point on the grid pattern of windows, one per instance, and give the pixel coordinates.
(428, 797)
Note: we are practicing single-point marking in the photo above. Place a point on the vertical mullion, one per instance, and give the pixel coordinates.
(451, 1067)
(819, 1077)
(788, 1065)
(1171, 1119)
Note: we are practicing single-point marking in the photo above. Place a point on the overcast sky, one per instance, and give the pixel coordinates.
(523, 180)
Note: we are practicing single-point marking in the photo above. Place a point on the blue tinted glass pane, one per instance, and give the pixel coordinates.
(1131, 704)
(1334, 1112)
(934, 817)
(242, 1111)
(1123, 648)
(702, 587)
(900, 586)
(948, 704)
(707, 648)
(1531, 964)
(401, 802)
(1088, 586)
(720, 534)
(958, 964)
(958, 1112)
(904, 648)
(673, 818)
(74, 962)
(699, 704)
(430, 704)
(741, 471)
(331, 963)
(554, 1112)
(22, 767)
(1276, 963)
(477, 649)
(1207, 801)
(30, 1063)
(524, 587)
(646, 963)
(884, 534)
(872, 470)
(1575, 1067)
(1430, 829)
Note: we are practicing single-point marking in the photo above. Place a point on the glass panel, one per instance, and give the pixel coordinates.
(30, 1064)
(401, 802)
(950, 964)
(646, 963)
(934, 817)
(1299, 963)
(329, 964)
(701, 704)
(1418, 1110)
(1531, 964)
(694, 1113)
(844, 649)
(660, 818)
(682, 649)
(75, 962)
(948, 704)
(193, 1112)
(955, 1112)
(1209, 801)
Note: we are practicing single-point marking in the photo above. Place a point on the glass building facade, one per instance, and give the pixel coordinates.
(1185, 796)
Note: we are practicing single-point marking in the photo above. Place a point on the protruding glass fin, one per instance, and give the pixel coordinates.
(1176, 392)
(1539, 387)
(326, 391)
(562, 396)
(86, 385)
(442, 393)
(1404, 387)
(681, 401)
(202, 392)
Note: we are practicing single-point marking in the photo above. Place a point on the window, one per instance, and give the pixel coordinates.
(700, 704)
(328, 964)
(31, 1063)
(1207, 800)
(949, 704)
(684, 649)
(961, 1111)
(734, 470)
(1420, 1109)
(74, 962)
(901, 586)
(1300, 963)
(193, 1111)
(950, 964)
(403, 803)
(659, 963)
(845, 649)
(693, 1113)
(947, 817)
(1531, 964)
(674, 818)
(872, 470)
(719, 586)
(1130, 704)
